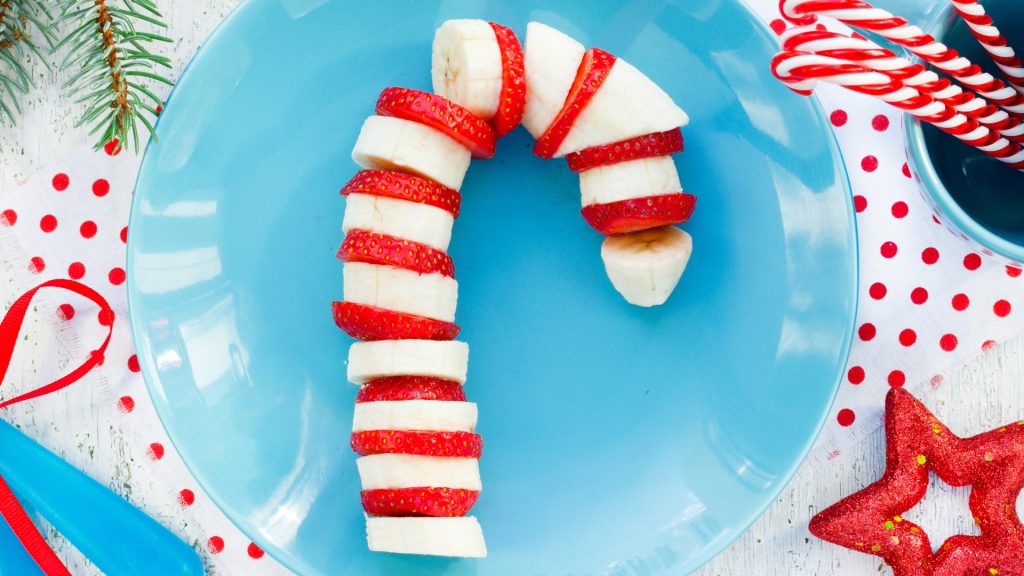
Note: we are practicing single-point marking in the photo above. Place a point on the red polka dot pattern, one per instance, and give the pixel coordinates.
(860, 203)
(101, 187)
(133, 363)
(1002, 308)
(116, 276)
(846, 417)
(855, 375)
(838, 118)
(36, 265)
(87, 229)
(896, 378)
(215, 545)
(126, 404)
(972, 261)
(948, 342)
(889, 249)
(869, 163)
(65, 312)
(880, 123)
(254, 551)
(866, 332)
(61, 181)
(929, 255)
(155, 451)
(919, 296)
(908, 337)
(48, 223)
(900, 210)
(778, 25)
(186, 497)
(877, 290)
(8, 217)
(961, 302)
(76, 270)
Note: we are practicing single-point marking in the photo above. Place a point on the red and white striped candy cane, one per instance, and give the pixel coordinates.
(801, 71)
(863, 15)
(995, 44)
(860, 50)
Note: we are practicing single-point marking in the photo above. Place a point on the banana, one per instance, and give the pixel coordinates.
(378, 471)
(388, 143)
(455, 536)
(428, 295)
(632, 179)
(551, 60)
(628, 104)
(420, 223)
(438, 359)
(465, 66)
(427, 415)
(645, 266)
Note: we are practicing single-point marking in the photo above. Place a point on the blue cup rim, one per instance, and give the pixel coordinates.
(933, 184)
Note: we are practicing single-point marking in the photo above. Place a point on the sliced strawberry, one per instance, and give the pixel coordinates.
(372, 323)
(440, 114)
(590, 76)
(426, 501)
(646, 146)
(404, 187)
(395, 388)
(512, 101)
(373, 248)
(447, 444)
(639, 213)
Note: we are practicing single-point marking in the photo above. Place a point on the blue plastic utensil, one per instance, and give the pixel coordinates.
(116, 536)
(14, 559)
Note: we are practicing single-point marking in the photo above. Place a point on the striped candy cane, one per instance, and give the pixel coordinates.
(801, 71)
(860, 50)
(863, 15)
(995, 44)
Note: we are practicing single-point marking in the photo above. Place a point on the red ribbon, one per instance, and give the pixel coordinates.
(10, 508)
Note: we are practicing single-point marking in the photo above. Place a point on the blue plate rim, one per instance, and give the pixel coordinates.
(253, 533)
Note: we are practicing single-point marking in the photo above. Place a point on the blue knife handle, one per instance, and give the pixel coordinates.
(117, 537)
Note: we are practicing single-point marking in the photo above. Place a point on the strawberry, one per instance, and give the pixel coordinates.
(646, 146)
(440, 114)
(592, 73)
(427, 501)
(406, 187)
(446, 444)
(639, 213)
(411, 388)
(512, 101)
(373, 248)
(372, 323)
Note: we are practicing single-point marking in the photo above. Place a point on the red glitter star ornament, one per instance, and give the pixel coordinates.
(916, 442)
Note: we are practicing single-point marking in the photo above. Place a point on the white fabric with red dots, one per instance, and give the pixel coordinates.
(928, 304)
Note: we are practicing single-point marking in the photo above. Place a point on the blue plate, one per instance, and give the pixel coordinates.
(619, 440)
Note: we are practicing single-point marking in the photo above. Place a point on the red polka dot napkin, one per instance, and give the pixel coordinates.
(70, 221)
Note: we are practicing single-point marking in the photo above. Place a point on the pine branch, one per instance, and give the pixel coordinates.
(109, 60)
(17, 45)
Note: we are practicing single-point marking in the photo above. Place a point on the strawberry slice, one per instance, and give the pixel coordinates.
(440, 114)
(512, 101)
(410, 388)
(447, 444)
(590, 76)
(372, 323)
(646, 146)
(402, 186)
(374, 248)
(426, 501)
(639, 213)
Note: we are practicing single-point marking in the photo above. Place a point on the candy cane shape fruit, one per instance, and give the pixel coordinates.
(860, 50)
(801, 71)
(992, 41)
(862, 15)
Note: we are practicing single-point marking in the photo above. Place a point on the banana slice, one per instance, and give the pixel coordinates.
(427, 415)
(428, 295)
(466, 66)
(627, 180)
(627, 105)
(551, 60)
(456, 536)
(645, 266)
(438, 359)
(378, 471)
(388, 143)
(407, 220)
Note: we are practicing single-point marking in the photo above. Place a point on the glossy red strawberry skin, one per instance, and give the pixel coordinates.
(591, 75)
(371, 323)
(512, 102)
(374, 248)
(396, 388)
(646, 146)
(402, 186)
(426, 501)
(639, 213)
(441, 114)
(452, 444)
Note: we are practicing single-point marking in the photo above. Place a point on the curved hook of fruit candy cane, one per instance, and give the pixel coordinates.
(862, 51)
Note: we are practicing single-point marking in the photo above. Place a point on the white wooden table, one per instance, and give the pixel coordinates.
(986, 392)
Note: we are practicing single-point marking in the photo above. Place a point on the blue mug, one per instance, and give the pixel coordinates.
(975, 196)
